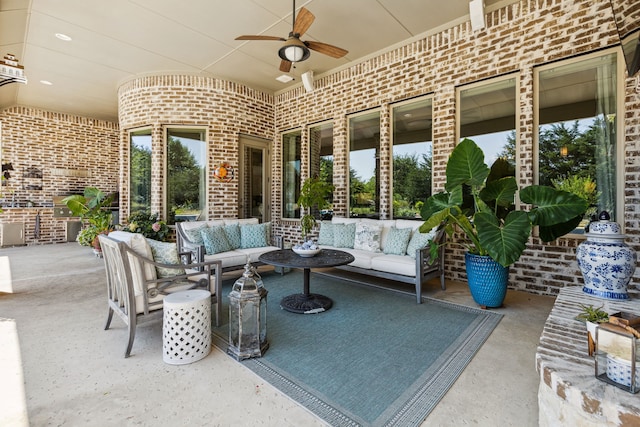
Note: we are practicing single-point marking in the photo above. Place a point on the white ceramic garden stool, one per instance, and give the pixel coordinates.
(186, 326)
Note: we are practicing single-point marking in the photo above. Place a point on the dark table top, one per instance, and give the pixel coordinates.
(288, 258)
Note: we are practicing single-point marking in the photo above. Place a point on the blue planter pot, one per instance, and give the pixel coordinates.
(487, 280)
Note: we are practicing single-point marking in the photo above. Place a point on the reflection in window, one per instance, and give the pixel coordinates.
(364, 165)
(140, 171)
(412, 157)
(321, 160)
(291, 161)
(186, 179)
(488, 117)
(577, 130)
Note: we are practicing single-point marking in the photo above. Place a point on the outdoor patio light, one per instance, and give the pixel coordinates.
(617, 354)
(248, 316)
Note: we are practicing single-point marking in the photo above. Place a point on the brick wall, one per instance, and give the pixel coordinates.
(70, 152)
(517, 38)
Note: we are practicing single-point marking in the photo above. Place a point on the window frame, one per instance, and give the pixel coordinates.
(282, 134)
(135, 132)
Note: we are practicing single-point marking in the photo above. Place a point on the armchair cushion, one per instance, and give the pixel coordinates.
(165, 253)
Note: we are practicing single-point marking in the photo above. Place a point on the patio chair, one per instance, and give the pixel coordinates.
(134, 291)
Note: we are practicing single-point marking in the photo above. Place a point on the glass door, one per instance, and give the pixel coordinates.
(254, 179)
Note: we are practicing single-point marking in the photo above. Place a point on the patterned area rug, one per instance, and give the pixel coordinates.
(376, 358)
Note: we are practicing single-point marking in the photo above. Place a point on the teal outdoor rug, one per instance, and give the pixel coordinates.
(376, 358)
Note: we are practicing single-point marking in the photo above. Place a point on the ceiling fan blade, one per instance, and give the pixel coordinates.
(327, 49)
(304, 19)
(285, 66)
(260, 38)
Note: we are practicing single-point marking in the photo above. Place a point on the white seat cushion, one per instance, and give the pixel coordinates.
(229, 259)
(396, 264)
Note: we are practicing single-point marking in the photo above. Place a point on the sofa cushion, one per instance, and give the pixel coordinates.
(325, 236)
(344, 235)
(367, 237)
(229, 258)
(233, 235)
(194, 233)
(253, 235)
(253, 253)
(397, 241)
(165, 253)
(215, 240)
(419, 241)
(395, 264)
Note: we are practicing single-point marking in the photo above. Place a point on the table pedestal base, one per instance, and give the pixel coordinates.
(306, 303)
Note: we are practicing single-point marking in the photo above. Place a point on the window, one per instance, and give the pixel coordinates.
(364, 165)
(412, 157)
(186, 174)
(577, 117)
(140, 171)
(487, 115)
(291, 162)
(321, 159)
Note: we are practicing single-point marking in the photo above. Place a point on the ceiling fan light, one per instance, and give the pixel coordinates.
(294, 51)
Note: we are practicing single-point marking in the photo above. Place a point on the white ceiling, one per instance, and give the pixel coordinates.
(115, 40)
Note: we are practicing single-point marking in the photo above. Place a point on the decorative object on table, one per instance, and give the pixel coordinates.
(313, 196)
(592, 316)
(91, 207)
(307, 249)
(617, 353)
(248, 316)
(224, 172)
(606, 262)
(479, 202)
(149, 225)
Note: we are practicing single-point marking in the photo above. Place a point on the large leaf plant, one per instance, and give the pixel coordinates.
(90, 207)
(480, 201)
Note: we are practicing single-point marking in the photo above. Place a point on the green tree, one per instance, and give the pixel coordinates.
(140, 178)
(183, 176)
(411, 182)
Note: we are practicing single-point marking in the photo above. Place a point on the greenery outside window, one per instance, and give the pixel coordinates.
(412, 157)
(140, 171)
(291, 162)
(186, 174)
(577, 119)
(321, 160)
(364, 165)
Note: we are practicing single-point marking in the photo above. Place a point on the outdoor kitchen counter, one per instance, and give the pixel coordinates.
(569, 393)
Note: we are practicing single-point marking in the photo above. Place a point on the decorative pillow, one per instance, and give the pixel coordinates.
(325, 236)
(397, 241)
(367, 237)
(344, 235)
(215, 240)
(253, 235)
(233, 235)
(419, 241)
(193, 234)
(165, 253)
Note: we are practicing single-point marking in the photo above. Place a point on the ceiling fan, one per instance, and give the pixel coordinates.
(294, 49)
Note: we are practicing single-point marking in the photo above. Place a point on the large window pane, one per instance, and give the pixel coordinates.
(577, 118)
(364, 165)
(321, 160)
(291, 162)
(488, 117)
(186, 179)
(412, 157)
(140, 171)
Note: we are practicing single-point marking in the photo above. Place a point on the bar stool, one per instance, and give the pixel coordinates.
(186, 326)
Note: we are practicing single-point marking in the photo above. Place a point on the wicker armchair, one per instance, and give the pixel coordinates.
(135, 292)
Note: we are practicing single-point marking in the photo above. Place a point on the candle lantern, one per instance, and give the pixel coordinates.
(248, 316)
(617, 356)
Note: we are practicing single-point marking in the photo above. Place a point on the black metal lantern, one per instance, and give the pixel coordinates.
(248, 316)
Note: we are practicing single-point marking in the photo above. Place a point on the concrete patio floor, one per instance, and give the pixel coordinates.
(59, 367)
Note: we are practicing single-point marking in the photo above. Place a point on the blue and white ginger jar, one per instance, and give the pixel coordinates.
(605, 260)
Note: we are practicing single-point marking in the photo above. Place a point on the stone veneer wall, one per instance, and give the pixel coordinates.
(516, 38)
(72, 152)
(225, 109)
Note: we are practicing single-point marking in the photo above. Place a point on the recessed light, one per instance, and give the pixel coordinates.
(46, 82)
(63, 37)
(284, 78)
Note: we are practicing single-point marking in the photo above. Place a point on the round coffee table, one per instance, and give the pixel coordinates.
(306, 302)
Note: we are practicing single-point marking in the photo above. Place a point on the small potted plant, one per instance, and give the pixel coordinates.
(90, 207)
(313, 194)
(592, 316)
(149, 225)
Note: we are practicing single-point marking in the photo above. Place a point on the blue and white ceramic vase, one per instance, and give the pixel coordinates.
(605, 260)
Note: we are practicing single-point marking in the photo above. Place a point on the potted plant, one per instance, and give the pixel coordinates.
(90, 207)
(592, 316)
(480, 202)
(313, 194)
(149, 225)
